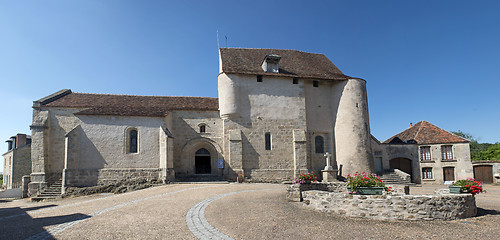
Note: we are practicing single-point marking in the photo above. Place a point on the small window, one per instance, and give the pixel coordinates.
(202, 129)
(447, 152)
(315, 83)
(268, 141)
(132, 144)
(378, 153)
(319, 144)
(259, 78)
(427, 173)
(295, 81)
(425, 153)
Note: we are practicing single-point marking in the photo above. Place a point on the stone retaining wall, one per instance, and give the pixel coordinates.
(393, 207)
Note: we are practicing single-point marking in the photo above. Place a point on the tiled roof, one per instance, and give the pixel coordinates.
(293, 63)
(425, 133)
(129, 105)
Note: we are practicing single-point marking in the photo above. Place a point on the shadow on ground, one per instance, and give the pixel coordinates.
(484, 212)
(16, 223)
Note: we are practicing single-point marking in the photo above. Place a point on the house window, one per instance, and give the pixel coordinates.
(427, 173)
(319, 144)
(268, 141)
(295, 81)
(425, 153)
(259, 78)
(446, 152)
(315, 83)
(132, 141)
(202, 128)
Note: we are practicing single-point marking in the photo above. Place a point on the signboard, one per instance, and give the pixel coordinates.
(220, 163)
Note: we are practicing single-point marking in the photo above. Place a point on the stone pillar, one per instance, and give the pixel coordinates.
(26, 181)
(38, 151)
(166, 163)
(235, 151)
(299, 152)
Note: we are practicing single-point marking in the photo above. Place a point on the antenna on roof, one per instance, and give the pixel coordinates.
(226, 40)
(218, 39)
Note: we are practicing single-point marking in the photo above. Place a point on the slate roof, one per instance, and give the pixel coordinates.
(425, 133)
(293, 63)
(127, 105)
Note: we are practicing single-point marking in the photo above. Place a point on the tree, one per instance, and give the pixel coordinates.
(475, 147)
(492, 153)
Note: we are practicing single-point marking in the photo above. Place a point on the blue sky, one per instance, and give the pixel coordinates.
(423, 60)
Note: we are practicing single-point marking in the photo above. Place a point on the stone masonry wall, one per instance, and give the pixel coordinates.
(393, 207)
(21, 163)
(93, 177)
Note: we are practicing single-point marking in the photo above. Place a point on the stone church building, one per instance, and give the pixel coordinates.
(278, 113)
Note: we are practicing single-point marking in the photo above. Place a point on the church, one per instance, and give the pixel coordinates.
(278, 113)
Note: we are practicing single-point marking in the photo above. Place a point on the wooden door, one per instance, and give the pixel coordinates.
(484, 173)
(449, 174)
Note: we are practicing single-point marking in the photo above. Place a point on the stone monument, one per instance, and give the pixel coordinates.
(329, 174)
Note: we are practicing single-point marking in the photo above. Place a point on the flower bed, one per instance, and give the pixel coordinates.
(362, 183)
(469, 185)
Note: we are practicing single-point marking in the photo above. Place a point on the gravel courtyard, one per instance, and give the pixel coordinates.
(218, 211)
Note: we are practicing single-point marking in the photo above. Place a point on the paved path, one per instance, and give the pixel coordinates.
(221, 211)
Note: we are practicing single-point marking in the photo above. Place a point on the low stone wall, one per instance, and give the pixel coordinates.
(115, 187)
(97, 177)
(393, 207)
(294, 191)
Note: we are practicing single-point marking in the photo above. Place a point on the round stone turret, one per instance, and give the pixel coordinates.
(352, 128)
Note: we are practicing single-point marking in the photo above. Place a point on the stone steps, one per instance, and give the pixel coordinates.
(52, 192)
(393, 178)
(200, 178)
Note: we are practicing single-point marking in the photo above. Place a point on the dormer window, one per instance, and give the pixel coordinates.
(271, 63)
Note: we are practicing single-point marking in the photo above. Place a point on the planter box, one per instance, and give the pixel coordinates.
(368, 190)
(455, 189)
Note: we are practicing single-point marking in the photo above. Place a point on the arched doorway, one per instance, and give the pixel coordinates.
(202, 161)
(403, 164)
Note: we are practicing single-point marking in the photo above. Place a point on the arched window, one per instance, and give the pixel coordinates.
(132, 139)
(202, 129)
(268, 141)
(319, 144)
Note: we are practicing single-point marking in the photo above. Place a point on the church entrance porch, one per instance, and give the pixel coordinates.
(202, 162)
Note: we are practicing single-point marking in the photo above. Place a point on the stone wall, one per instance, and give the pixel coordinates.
(21, 163)
(93, 177)
(294, 191)
(185, 127)
(393, 207)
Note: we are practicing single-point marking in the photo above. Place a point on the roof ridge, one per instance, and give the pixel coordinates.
(280, 49)
(419, 128)
(132, 95)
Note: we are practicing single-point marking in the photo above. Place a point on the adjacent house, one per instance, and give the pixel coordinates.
(426, 152)
(17, 160)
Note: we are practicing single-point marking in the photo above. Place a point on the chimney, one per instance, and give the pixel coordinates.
(21, 140)
(9, 145)
(271, 63)
(411, 125)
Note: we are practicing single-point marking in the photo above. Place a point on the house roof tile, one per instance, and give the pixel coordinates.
(293, 63)
(425, 133)
(130, 105)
